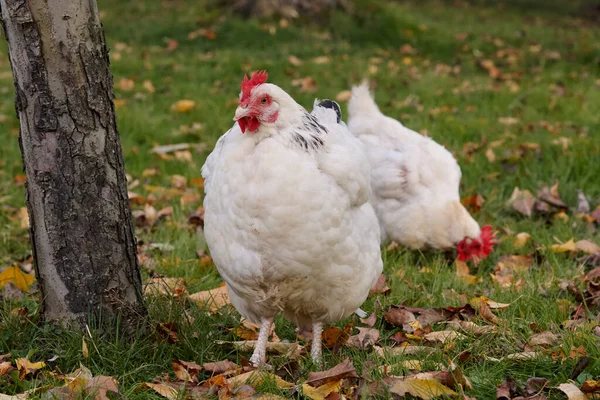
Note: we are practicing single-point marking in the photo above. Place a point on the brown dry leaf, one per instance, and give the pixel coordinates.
(295, 61)
(20, 179)
(343, 370)
(551, 196)
(572, 391)
(521, 239)
(333, 336)
(256, 378)
(366, 338)
(169, 331)
(423, 389)
(508, 120)
(381, 286)
(405, 349)
(186, 371)
(490, 155)
(323, 391)
(149, 86)
(516, 262)
(307, 85)
(370, 321)
(587, 246)
(214, 298)
(568, 246)
(486, 313)
(344, 95)
(473, 203)
(462, 271)
(17, 277)
(476, 301)
(321, 60)
(23, 217)
(544, 339)
(184, 155)
(522, 201)
(471, 327)
(399, 316)
(166, 286)
(126, 85)
(183, 106)
(219, 367)
(590, 386)
(291, 350)
(453, 378)
(99, 386)
(443, 336)
(163, 390)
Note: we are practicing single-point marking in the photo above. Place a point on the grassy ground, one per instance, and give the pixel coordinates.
(472, 73)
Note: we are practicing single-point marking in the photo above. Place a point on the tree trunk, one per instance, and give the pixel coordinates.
(83, 240)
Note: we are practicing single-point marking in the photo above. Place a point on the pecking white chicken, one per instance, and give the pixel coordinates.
(415, 183)
(286, 213)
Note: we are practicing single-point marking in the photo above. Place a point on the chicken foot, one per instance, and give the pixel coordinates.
(259, 356)
(316, 346)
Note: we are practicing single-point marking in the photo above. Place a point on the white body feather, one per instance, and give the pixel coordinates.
(415, 180)
(290, 228)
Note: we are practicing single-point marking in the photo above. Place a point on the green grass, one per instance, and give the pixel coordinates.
(209, 72)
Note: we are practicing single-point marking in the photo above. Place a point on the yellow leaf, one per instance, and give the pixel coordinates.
(215, 298)
(565, 247)
(295, 61)
(425, 389)
(462, 271)
(23, 216)
(256, 378)
(14, 275)
(321, 392)
(344, 95)
(149, 86)
(183, 106)
(25, 366)
(163, 390)
(84, 348)
(476, 303)
(521, 239)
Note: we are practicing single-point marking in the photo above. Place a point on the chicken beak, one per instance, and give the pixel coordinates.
(241, 112)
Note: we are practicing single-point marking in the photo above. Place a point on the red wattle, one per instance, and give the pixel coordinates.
(243, 122)
(253, 124)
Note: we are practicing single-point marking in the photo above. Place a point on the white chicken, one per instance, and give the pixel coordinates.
(415, 183)
(287, 218)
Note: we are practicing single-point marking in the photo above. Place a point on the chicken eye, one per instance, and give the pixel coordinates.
(264, 100)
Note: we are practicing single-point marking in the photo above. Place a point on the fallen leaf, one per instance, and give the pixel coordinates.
(370, 321)
(23, 217)
(380, 286)
(307, 84)
(99, 386)
(186, 371)
(564, 247)
(471, 327)
(214, 298)
(399, 316)
(256, 378)
(462, 271)
(169, 148)
(507, 389)
(219, 367)
(590, 386)
(521, 239)
(149, 86)
(163, 390)
(321, 392)
(183, 106)
(443, 336)
(169, 331)
(522, 201)
(544, 339)
(321, 60)
(126, 85)
(551, 196)
(84, 348)
(295, 61)
(332, 336)
(473, 203)
(423, 389)
(343, 370)
(17, 277)
(572, 391)
(365, 338)
(166, 286)
(587, 246)
(477, 301)
(344, 95)
(290, 350)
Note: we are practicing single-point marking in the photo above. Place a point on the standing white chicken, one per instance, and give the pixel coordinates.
(287, 217)
(415, 184)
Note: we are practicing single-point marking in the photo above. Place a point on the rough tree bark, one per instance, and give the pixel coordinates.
(83, 240)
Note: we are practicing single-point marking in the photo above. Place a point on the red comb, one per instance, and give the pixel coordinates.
(258, 78)
(487, 240)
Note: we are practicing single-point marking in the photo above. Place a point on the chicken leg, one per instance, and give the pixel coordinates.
(316, 347)
(259, 355)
